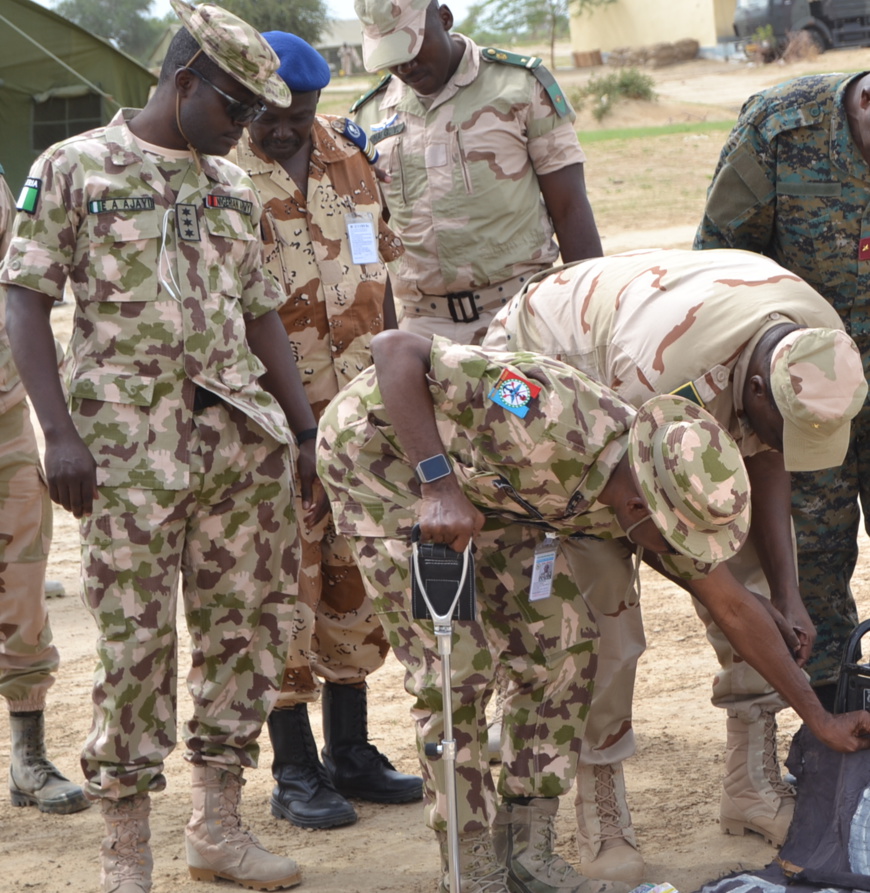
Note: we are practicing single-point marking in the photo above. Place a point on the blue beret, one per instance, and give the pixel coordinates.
(302, 67)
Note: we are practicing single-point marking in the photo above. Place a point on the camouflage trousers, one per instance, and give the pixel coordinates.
(335, 632)
(547, 652)
(230, 541)
(825, 508)
(28, 659)
(604, 578)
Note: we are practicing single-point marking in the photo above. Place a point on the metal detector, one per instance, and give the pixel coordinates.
(442, 590)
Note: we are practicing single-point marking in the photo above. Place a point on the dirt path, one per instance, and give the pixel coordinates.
(674, 779)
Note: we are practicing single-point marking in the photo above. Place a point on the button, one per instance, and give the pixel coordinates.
(774, 315)
(15, 265)
(721, 375)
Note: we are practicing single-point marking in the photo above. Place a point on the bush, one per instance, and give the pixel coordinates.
(604, 91)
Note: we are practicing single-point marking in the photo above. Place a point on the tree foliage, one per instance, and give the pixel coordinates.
(305, 18)
(522, 21)
(124, 23)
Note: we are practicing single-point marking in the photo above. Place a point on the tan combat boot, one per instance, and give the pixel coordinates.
(524, 836)
(606, 843)
(33, 780)
(479, 870)
(754, 796)
(218, 846)
(125, 857)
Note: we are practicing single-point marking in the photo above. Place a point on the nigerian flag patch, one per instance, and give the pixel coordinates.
(29, 195)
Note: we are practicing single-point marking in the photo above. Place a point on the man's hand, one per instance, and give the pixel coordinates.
(314, 498)
(799, 622)
(72, 474)
(446, 516)
(844, 732)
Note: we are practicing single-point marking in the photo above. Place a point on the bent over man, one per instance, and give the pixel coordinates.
(517, 452)
(174, 451)
(765, 354)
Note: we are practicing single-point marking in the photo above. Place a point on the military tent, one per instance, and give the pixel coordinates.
(56, 80)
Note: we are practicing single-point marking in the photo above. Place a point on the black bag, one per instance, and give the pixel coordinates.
(437, 572)
(853, 689)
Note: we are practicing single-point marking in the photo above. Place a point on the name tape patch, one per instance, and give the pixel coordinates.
(229, 202)
(123, 203)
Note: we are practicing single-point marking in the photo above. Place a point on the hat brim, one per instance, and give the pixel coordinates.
(395, 48)
(707, 545)
(803, 452)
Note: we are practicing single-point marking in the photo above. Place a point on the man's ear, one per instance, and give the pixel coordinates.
(446, 16)
(756, 387)
(185, 82)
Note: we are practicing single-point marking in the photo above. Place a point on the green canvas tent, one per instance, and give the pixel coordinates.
(56, 80)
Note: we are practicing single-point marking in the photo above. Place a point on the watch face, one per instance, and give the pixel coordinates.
(514, 393)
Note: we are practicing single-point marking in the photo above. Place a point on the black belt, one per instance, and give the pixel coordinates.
(203, 398)
(462, 306)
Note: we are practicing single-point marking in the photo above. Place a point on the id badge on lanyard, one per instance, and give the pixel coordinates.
(363, 238)
(544, 568)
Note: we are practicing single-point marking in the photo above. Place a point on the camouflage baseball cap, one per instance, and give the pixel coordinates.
(392, 30)
(689, 471)
(818, 383)
(237, 48)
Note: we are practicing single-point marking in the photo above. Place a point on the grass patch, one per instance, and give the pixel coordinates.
(628, 133)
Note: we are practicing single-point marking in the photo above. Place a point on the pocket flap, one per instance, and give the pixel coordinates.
(113, 387)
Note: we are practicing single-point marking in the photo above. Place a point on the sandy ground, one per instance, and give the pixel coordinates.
(673, 780)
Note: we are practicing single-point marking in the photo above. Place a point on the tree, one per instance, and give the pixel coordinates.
(515, 21)
(305, 18)
(124, 23)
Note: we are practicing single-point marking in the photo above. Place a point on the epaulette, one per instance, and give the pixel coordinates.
(356, 135)
(536, 66)
(367, 96)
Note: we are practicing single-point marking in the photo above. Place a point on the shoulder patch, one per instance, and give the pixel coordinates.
(373, 92)
(356, 135)
(29, 197)
(535, 65)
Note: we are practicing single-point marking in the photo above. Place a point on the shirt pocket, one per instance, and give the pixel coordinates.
(230, 240)
(123, 256)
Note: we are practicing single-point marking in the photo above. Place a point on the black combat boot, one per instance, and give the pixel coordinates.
(303, 795)
(357, 768)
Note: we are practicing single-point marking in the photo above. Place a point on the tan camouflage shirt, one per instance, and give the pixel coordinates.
(653, 321)
(334, 306)
(11, 389)
(166, 265)
(464, 197)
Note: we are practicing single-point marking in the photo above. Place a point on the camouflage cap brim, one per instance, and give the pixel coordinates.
(237, 48)
(392, 31)
(689, 471)
(818, 383)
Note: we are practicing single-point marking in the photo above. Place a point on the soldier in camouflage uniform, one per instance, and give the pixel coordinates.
(722, 328)
(28, 659)
(530, 451)
(176, 448)
(326, 243)
(793, 182)
(485, 166)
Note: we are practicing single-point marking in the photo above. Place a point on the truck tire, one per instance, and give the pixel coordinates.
(818, 39)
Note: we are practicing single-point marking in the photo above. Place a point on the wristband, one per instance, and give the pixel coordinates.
(307, 434)
(433, 468)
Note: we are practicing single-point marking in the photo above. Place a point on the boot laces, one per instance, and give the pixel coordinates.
(606, 804)
(552, 864)
(128, 850)
(481, 868)
(233, 831)
(772, 772)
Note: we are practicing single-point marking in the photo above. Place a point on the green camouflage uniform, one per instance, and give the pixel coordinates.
(636, 323)
(792, 184)
(165, 263)
(334, 307)
(28, 659)
(464, 196)
(528, 476)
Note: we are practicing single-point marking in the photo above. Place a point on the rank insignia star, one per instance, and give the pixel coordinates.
(864, 249)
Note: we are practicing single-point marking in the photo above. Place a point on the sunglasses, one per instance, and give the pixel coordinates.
(237, 111)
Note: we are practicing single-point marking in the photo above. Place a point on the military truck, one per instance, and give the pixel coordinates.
(829, 23)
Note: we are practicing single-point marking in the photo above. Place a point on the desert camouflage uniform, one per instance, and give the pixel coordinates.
(333, 310)
(529, 476)
(647, 323)
(28, 659)
(464, 197)
(165, 265)
(792, 184)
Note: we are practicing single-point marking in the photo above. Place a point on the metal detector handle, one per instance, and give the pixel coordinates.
(436, 617)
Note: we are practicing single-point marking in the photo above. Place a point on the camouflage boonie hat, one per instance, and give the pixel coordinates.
(689, 471)
(237, 48)
(392, 30)
(818, 383)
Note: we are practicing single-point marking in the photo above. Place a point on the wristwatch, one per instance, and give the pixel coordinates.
(433, 468)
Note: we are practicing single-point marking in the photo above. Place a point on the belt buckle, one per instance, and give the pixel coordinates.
(456, 303)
